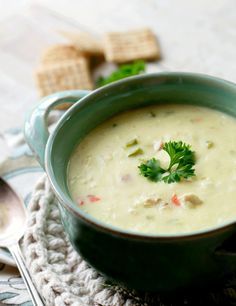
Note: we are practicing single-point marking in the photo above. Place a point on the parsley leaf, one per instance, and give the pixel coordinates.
(152, 170)
(122, 72)
(181, 164)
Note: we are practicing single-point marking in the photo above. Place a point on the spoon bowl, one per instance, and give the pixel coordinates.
(13, 216)
(13, 219)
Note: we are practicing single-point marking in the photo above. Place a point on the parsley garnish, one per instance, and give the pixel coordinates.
(181, 164)
(122, 72)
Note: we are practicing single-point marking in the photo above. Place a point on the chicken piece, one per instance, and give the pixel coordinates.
(151, 202)
(191, 200)
(157, 145)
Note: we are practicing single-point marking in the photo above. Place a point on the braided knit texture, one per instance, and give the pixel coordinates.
(63, 278)
(60, 274)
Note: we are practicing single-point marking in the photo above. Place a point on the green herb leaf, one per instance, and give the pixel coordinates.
(122, 72)
(210, 144)
(152, 170)
(152, 114)
(181, 164)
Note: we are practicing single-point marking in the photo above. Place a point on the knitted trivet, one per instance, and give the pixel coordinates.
(64, 278)
(59, 273)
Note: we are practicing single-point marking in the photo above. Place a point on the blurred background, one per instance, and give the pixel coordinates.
(197, 35)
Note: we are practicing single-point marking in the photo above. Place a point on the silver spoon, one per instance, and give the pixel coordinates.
(13, 218)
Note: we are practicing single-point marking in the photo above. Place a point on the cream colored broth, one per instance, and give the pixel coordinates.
(106, 183)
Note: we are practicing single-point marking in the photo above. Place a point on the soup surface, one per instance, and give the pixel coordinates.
(105, 181)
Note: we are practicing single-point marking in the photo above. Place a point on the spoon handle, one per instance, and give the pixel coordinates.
(17, 255)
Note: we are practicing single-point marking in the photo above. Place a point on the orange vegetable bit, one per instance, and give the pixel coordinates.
(197, 120)
(175, 200)
(93, 198)
(126, 177)
(80, 202)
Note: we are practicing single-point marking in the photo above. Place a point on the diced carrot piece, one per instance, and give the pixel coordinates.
(196, 120)
(175, 200)
(93, 198)
(80, 202)
(126, 177)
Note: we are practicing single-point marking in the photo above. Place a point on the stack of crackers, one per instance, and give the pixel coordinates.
(68, 66)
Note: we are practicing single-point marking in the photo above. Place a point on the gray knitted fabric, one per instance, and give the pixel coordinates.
(59, 273)
(63, 278)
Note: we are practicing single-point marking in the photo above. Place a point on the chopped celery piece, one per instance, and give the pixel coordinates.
(138, 151)
(131, 143)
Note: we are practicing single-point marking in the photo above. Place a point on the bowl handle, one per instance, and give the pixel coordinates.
(36, 131)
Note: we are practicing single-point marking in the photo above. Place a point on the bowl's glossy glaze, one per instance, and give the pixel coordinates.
(145, 262)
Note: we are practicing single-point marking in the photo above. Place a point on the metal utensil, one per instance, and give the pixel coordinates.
(13, 218)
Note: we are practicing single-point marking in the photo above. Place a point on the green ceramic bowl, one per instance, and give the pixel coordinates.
(140, 261)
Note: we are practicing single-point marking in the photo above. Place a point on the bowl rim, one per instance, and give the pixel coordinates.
(108, 228)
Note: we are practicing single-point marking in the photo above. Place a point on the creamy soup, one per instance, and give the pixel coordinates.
(104, 179)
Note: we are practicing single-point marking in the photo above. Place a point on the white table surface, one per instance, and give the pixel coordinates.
(196, 35)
